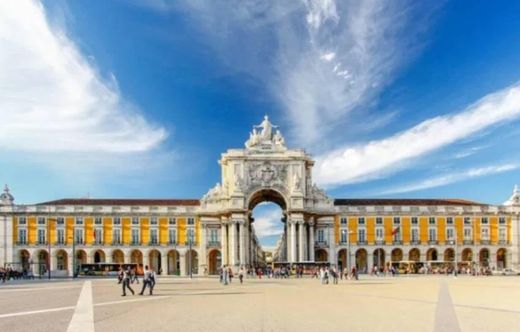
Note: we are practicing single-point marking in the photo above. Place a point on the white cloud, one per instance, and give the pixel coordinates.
(452, 178)
(53, 99)
(320, 59)
(357, 163)
(268, 222)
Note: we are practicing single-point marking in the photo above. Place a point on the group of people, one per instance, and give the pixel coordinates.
(129, 276)
(9, 273)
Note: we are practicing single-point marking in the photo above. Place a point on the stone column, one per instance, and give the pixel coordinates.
(332, 245)
(301, 233)
(224, 244)
(182, 263)
(514, 247)
(232, 243)
(203, 259)
(164, 263)
(242, 238)
(146, 258)
(311, 240)
(288, 240)
(293, 242)
(70, 260)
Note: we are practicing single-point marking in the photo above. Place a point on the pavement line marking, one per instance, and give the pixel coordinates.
(35, 289)
(83, 317)
(133, 300)
(445, 315)
(23, 313)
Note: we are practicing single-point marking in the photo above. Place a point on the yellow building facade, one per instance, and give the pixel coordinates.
(182, 236)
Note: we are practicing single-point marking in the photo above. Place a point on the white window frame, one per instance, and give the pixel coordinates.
(42, 236)
(60, 235)
(172, 239)
(362, 235)
(135, 239)
(99, 235)
(116, 235)
(380, 233)
(79, 235)
(432, 230)
(22, 235)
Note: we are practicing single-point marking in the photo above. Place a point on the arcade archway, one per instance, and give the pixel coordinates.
(215, 261)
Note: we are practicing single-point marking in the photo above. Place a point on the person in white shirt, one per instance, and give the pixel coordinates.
(147, 280)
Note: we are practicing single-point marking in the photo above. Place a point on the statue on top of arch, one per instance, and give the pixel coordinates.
(266, 137)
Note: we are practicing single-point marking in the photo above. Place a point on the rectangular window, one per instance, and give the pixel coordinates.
(343, 221)
(502, 220)
(432, 234)
(172, 221)
(191, 235)
(98, 236)
(135, 236)
(135, 220)
(22, 221)
(379, 221)
(502, 234)
(116, 221)
(172, 236)
(78, 236)
(153, 221)
(467, 220)
(431, 221)
(98, 221)
(116, 236)
(485, 221)
(321, 236)
(450, 234)
(361, 235)
(22, 236)
(380, 234)
(153, 236)
(415, 235)
(484, 232)
(60, 236)
(449, 221)
(191, 221)
(396, 237)
(79, 221)
(397, 221)
(41, 220)
(41, 236)
(415, 221)
(343, 236)
(60, 221)
(361, 221)
(467, 234)
(213, 236)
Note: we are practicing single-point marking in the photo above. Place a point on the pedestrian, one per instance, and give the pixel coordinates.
(230, 274)
(146, 280)
(152, 279)
(225, 275)
(241, 275)
(126, 282)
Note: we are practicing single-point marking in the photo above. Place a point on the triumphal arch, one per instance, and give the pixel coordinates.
(266, 170)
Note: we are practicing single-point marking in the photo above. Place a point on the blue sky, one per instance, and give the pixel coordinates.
(139, 98)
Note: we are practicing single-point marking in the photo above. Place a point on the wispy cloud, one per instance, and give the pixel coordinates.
(452, 178)
(320, 59)
(268, 222)
(359, 163)
(52, 98)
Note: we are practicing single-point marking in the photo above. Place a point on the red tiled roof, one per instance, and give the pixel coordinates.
(111, 201)
(402, 201)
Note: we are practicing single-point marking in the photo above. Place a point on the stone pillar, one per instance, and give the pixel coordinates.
(311, 240)
(233, 243)
(224, 244)
(288, 240)
(242, 238)
(332, 245)
(164, 263)
(203, 259)
(7, 254)
(146, 258)
(182, 263)
(293, 252)
(70, 261)
(301, 234)
(514, 247)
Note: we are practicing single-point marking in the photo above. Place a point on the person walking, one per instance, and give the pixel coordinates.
(120, 274)
(225, 275)
(126, 282)
(146, 280)
(241, 275)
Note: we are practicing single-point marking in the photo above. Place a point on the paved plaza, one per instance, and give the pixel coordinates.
(415, 303)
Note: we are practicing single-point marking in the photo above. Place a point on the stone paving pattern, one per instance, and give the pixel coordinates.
(414, 303)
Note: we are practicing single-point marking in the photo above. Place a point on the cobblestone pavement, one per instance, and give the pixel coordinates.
(414, 303)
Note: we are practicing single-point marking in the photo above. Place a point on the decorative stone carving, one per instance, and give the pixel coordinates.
(266, 174)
